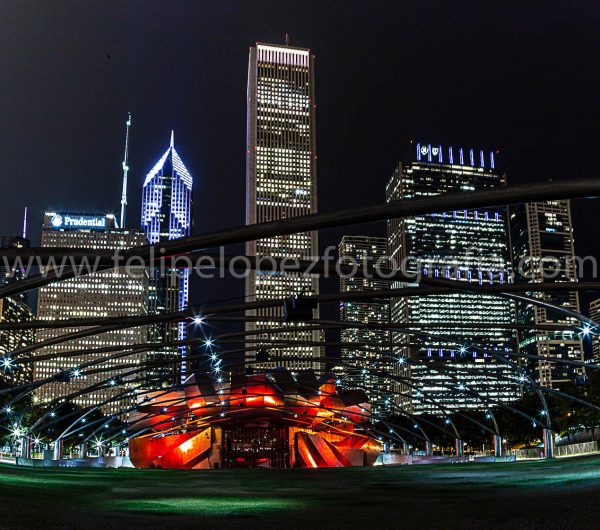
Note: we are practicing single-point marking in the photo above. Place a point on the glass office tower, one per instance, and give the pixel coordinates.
(543, 250)
(166, 215)
(281, 182)
(363, 364)
(117, 292)
(14, 308)
(457, 359)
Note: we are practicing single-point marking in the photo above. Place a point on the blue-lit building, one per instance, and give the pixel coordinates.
(459, 354)
(166, 215)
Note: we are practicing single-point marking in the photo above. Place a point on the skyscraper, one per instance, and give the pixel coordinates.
(14, 309)
(166, 215)
(543, 250)
(117, 292)
(451, 364)
(281, 182)
(363, 364)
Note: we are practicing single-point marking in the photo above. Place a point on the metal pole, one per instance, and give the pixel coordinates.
(459, 447)
(497, 445)
(549, 445)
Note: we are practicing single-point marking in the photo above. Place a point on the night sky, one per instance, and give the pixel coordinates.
(523, 79)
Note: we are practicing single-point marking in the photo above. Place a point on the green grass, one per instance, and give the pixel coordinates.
(220, 506)
(536, 494)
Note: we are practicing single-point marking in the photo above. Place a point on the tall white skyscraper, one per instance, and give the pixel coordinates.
(111, 293)
(281, 182)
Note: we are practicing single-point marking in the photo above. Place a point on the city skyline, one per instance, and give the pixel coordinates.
(343, 253)
(281, 183)
(469, 156)
(209, 112)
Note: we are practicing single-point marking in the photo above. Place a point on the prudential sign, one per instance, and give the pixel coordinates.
(62, 220)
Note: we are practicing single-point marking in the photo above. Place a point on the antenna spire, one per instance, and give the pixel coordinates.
(287, 39)
(25, 224)
(172, 138)
(125, 170)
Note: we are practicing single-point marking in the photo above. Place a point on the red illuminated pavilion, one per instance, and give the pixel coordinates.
(273, 419)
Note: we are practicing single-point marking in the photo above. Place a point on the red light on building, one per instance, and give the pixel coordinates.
(261, 420)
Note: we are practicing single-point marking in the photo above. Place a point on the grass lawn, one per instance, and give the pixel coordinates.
(560, 494)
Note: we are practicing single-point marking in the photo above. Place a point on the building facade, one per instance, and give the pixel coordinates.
(166, 215)
(456, 358)
(543, 250)
(14, 308)
(281, 182)
(363, 364)
(117, 292)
